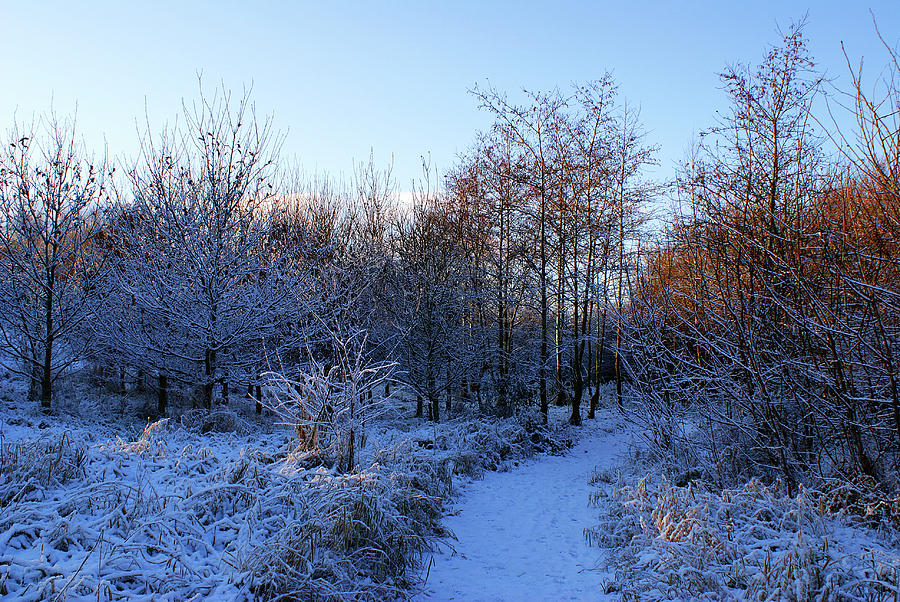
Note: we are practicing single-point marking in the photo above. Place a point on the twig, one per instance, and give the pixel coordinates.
(75, 574)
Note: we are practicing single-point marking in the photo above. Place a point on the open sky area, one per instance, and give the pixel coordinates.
(344, 78)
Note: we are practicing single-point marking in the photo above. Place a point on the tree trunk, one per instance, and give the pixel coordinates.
(618, 369)
(560, 317)
(47, 368)
(351, 451)
(34, 382)
(598, 370)
(208, 385)
(47, 375)
(542, 384)
(435, 407)
(162, 401)
(589, 379)
(575, 417)
(351, 444)
(431, 386)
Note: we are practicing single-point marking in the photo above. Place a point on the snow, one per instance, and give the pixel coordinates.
(520, 533)
(172, 512)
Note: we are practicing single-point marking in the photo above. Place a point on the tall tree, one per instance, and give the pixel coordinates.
(529, 127)
(738, 337)
(429, 305)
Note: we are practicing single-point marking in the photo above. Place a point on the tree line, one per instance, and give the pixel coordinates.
(767, 308)
(205, 264)
(764, 307)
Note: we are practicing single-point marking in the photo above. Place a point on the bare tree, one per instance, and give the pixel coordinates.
(50, 195)
(430, 298)
(529, 127)
(206, 280)
(569, 166)
(731, 310)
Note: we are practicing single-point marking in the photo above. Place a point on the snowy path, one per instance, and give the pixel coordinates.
(520, 532)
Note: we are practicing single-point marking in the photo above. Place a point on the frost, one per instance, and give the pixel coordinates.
(216, 505)
(675, 542)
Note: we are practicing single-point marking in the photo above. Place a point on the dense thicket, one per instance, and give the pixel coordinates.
(769, 307)
(484, 287)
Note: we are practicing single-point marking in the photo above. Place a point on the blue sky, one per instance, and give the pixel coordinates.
(342, 78)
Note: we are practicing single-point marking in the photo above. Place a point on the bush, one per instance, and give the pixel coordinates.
(354, 535)
(861, 498)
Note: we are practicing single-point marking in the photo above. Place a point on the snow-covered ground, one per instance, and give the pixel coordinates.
(96, 502)
(219, 506)
(520, 533)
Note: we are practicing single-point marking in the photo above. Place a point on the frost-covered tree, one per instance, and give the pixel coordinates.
(554, 196)
(735, 310)
(430, 300)
(50, 196)
(204, 287)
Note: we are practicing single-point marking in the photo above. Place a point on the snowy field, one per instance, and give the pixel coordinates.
(219, 506)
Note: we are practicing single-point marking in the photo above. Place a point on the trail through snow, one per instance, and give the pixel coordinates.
(520, 532)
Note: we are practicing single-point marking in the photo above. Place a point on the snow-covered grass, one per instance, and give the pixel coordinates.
(697, 541)
(220, 505)
(177, 514)
(469, 445)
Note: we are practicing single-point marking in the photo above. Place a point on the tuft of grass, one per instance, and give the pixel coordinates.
(27, 466)
(862, 498)
(149, 444)
(356, 535)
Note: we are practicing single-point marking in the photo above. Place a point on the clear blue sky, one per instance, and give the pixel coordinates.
(344, 77)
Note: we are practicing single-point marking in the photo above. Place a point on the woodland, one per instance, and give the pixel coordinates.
(741, 319)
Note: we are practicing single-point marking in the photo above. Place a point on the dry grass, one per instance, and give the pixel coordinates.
(175, 513)
(671, 542)
(28, 466)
